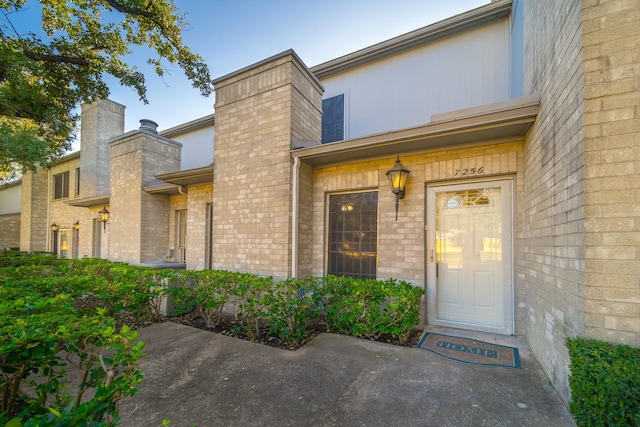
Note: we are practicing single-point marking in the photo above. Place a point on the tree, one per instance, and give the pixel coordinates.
(43, 78)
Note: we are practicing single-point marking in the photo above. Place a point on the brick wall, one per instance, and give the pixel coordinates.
(198, 198)
(255, 128)
(139, 221)
(551, 267)
(401, 245)
(9, 231)
(101, 121)
(34, 225)
(611, 39)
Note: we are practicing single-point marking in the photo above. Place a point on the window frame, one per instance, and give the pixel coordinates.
(344, 119)
(64, 186)
(327, 250)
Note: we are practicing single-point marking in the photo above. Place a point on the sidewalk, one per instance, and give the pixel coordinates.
(194, 377)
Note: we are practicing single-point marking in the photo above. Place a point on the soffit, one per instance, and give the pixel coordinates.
(490, 124)
(87, 202)
(189, 177)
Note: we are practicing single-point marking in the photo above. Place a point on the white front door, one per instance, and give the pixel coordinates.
(469, 256)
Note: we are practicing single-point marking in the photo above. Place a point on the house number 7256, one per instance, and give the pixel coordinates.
(469, 171)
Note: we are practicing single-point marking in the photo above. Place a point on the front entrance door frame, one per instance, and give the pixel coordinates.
(507, 185)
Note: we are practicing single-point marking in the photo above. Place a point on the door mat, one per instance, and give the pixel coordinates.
(470, 351)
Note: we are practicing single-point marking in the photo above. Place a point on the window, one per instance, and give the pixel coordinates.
(353, 235)
(77, 191)
(208, 238)
(181, 236)
(333, 119)
(61, 185)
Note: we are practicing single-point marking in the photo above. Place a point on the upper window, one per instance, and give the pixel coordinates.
(353, 234)
(61, 185)
(77, 190)
(333, 119)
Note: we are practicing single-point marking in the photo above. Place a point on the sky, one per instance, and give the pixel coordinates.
(232, 34)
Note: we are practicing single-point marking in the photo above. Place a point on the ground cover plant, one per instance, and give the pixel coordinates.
(605, 383)
(65, 319)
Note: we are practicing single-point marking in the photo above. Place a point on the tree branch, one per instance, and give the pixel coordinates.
(61, 59)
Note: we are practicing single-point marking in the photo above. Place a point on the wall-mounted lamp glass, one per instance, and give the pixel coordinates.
(397, 179)
(76, 225)
(54, 227)
(104, 216)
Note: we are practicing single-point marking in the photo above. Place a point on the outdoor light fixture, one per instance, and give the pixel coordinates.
(76, 225)
(104, 217)
(397, 179)
(54, 227)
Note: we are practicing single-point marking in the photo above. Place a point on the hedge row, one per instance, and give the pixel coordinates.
(50, 307)
(362, 308)
(605, 383)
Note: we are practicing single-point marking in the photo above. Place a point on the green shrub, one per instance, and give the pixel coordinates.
(605, 383)
(41, 339)
(291, 305)
(371, 308)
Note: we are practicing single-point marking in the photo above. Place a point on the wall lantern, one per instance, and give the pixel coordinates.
(76, 225)
(397, 179)
(54, 227)
(104, 216)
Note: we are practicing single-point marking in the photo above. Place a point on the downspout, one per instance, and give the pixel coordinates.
(182, 190)
(294, 218)
(49, 197)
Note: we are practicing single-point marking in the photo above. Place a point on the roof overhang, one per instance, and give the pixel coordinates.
(494, 123)
(188, 177)
(87, 202)
(164, 189)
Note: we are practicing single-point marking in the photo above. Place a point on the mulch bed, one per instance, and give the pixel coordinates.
(231, 327)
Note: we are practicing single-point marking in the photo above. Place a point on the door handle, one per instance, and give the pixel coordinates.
(430, 255)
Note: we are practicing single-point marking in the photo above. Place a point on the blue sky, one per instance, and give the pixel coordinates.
(231, 34)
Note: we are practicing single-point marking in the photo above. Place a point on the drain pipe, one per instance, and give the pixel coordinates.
(294, 217)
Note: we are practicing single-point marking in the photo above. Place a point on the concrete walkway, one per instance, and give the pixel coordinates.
(194, 377)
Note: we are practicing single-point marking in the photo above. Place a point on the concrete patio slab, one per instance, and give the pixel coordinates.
(195, 377)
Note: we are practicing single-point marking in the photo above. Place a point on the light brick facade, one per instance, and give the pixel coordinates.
(10, 231)
(569, 153)
(139, 221)
(255, 129)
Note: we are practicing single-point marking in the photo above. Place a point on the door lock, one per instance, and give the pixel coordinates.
(431, 255)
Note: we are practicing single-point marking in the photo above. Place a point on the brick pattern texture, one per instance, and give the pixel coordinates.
(255, 129)
(611, 51)
(9, 231)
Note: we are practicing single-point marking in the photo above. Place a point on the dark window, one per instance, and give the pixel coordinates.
(61, 185)
(333, 119)
(353, 235)
(77, 192)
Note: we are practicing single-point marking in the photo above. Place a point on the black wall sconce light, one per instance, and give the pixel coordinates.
(76, 225)
(397, 179)
(54, 239)
(104, 217)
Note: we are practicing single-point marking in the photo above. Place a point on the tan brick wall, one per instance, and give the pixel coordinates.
(34, 225)
(611, 38)
(255, 129)
(9, 231)
(550, 266)
(401, 244)
(139, 222)
(199, 196)
(101, 121)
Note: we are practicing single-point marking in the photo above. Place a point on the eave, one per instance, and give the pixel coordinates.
(87, 202)
(494, 123)
(188, 177)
